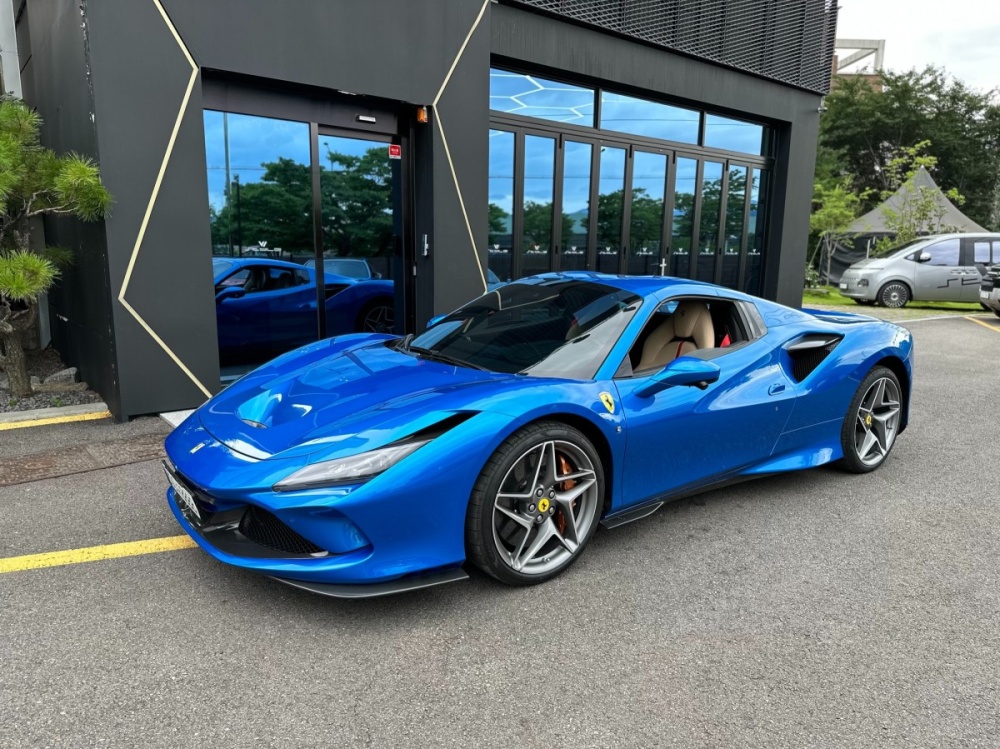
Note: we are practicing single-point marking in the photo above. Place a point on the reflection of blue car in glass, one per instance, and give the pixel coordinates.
(355, 267)
(265, 307)
(506, 432)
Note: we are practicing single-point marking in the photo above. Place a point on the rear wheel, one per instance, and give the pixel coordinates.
(894, 294)
(872, 422)
(535, 505)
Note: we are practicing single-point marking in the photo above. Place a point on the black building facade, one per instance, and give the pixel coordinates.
(447, 143)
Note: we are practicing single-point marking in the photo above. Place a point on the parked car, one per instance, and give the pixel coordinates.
(506, 432)
(989, 291)
(943, 267)
(266, 307)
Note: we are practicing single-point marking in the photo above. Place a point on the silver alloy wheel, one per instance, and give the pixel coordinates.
(877, 422)
(545, 507)
(894, 295)
(379, 319)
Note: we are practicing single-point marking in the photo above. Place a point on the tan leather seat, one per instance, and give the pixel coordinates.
(688, 329)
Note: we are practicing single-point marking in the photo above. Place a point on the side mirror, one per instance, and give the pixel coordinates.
(376, 274)
(923, 257)
(435, 320)
(684, 371)
(230, 292)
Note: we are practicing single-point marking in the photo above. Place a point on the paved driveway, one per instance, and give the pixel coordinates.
(812, 610)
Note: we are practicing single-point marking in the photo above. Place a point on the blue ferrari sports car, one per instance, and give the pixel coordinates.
(509, 430)
(264, 307)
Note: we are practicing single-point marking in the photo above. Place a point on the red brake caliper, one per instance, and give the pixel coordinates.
(565, 486)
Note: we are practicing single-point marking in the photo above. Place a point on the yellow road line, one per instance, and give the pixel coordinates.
(55, 420)
(95, 553)
(994, 328)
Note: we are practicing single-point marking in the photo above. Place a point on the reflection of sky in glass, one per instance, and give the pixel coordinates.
(348, 146)
(539, 167)
(576, 190)
(532, 96)
(649, 173)
(253, 141)
(501, 182)
(612, 180)
(733, 135)
(627, 114)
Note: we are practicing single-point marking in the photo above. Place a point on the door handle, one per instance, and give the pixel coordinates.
(778, 387)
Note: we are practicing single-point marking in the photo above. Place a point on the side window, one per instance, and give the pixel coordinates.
(944, 253)
(996, 251)
(981, 252)
(239, 279)
(682, 327)
(301, 278)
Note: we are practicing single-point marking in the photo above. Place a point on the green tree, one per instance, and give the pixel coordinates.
(865, 127)
(357, 203)
(538, 223)
(34, 182)
(834, 209)
(499, 223)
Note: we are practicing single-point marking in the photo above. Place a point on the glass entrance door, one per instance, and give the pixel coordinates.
(646, 211)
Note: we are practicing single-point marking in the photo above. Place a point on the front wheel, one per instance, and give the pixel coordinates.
(377, 317)
(535, 505)
(996, 312)
(865, 302)
(872, 422)
(894, 294)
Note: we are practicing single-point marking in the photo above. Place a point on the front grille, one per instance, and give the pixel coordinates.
(264, 528)
(987, 285)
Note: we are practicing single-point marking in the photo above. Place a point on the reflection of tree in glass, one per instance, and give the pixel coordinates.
(734, 207)
(646, 223)
(499, 224)
(276, 210)
(357, 203)
(609, 219)
(538, 225)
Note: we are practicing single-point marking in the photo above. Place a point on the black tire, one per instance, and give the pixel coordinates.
(865, 302)
(378, 316)
(480, 533)
(988, 309)
(996, 312)
(853, 461)
(894, 294)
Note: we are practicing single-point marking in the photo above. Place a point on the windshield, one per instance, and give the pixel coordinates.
(220, 266)
(548, 329)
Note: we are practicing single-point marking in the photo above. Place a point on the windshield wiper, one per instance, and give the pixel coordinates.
(438, 356)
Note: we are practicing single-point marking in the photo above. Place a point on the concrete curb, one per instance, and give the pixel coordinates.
(43, 416)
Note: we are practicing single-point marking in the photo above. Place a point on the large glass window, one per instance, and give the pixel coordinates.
(759, 185)
(539, 194)
(356, 202)
(732, 238)
(501, 207)
(708, 227)
(649, 177)
(610, 205)
(733, 135)
(628, 114)
(575, 205)
(685, 176)
(534, 96)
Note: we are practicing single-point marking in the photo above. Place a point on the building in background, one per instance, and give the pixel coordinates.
(441, 142)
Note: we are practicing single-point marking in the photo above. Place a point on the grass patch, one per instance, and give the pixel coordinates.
(831, 296)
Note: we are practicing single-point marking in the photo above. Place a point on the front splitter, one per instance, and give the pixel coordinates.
(374, 590)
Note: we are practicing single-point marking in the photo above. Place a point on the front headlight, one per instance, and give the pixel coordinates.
(347, 470)
(862, 282)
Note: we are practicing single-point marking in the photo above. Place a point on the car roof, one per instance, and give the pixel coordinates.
(641, 285)
(245, 261)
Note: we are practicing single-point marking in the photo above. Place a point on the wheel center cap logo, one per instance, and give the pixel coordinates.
(543, 505)
(868, 420)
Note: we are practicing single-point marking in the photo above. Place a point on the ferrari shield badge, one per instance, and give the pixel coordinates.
(608, 401)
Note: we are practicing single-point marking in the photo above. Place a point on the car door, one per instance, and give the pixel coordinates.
(239, 319)
(290, 308)
(939, 272)
(685, 437)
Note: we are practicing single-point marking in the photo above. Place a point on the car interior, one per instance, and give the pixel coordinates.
(682, 328)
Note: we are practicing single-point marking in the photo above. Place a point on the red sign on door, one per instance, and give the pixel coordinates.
(395, 151)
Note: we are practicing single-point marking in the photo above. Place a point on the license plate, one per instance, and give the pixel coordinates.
(182, 494)
(984, 295)
(843, 284)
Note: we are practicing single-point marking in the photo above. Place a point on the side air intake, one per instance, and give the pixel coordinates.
(809, 351)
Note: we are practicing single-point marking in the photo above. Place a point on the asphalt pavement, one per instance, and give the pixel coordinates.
(819, 609)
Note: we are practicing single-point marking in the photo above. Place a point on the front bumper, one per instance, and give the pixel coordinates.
(401, 530)
(852, 286)
(990, 296)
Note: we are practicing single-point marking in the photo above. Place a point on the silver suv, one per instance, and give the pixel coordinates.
(943, 267)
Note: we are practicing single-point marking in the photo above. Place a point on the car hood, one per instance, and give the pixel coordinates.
(869, 264)
(342, 400)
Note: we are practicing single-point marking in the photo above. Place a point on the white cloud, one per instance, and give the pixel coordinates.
(962, 36)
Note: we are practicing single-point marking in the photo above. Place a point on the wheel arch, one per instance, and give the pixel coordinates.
(896, 279)
(895, 365)
(597, 438)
